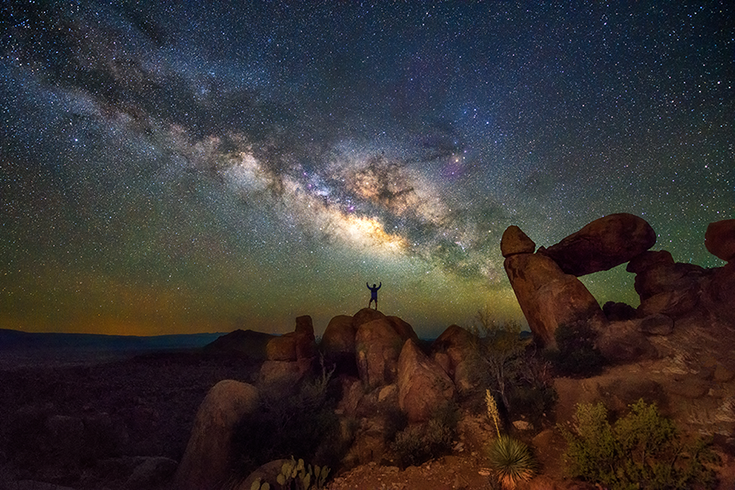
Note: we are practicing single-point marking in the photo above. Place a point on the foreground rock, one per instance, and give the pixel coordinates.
(206, 462)
(602, 244)
(455, 350)
(548, 297)
(378, 346)
(422, 384)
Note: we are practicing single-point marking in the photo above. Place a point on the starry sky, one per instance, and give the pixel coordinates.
(181, 167)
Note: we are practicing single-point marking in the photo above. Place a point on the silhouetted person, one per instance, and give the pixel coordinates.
(373, 294)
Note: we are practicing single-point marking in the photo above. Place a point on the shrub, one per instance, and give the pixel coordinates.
(511, 460)
(576, 354)
(417, 444)
(641, 450)
(303, 424)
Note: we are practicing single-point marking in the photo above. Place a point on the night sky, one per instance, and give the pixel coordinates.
(169, 167)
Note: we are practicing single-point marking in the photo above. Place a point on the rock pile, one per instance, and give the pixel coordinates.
(549, 293)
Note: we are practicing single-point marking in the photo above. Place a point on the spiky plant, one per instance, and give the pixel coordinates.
(512, 461)
(492, 410)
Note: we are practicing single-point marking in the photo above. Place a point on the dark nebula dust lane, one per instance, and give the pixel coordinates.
(173, 167)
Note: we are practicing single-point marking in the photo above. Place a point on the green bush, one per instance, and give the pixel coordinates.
(417, 444)
(511, 460)
(303, 424)
(641, 450)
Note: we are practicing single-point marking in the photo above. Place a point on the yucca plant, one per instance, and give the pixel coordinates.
(512, 461)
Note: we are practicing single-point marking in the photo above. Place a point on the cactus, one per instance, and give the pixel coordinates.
(296, 474)
(257, 485)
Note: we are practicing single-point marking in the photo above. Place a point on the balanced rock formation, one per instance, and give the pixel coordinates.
(720, 239)
(514, 241)
(548, 297)
(205, 464)
(422, 384)
(602, 244)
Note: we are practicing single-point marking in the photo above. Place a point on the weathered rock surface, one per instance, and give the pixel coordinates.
(422, 384)
(151, 472)
(299, 344)
(623, 342)
(339, 336)
(718, 296)
(602, 244)
(404, 329)
(366, 315)
(548, 297)
(205, 464)
(720, 239)
(377, 346)
(290, 356)
(664, 286)
(514, 241)
(454, 350)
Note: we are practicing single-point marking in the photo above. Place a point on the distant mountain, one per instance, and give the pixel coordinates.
(243, 342)
(18, 340)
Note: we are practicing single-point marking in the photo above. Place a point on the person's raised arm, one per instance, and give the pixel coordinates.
(380, 286)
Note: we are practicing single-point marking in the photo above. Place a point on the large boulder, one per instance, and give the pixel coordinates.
(514, 241)
(404, 329)
(299, 344)
(366, 315)
(377, 346)
(548, 297)
(339, 336)
(664, 286)
(422, 384)
(719, 293)
(602, 244)
(206, 461)
(455, 350)
(720, 239)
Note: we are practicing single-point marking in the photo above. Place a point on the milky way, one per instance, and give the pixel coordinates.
(177, 168)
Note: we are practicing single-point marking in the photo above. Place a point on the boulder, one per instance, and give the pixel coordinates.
(649, 259)
(299, 344)
(719, 293)
(339, 336)
(284, 375)
(656, 325)
(422, 384)
(377, 346)
(720, 239)
(455, 350)
(548, 297)
(602, 244)
(404, 329)
(366, 315)
(514, 241)
(205, 464)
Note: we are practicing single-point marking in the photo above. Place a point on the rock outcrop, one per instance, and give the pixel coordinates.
(377, 346)
(422, 384)
(290, 356)
(454, 350)
(720, 239)
(339, 337)
(205, 464)
(602, 244)
(548, 297)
